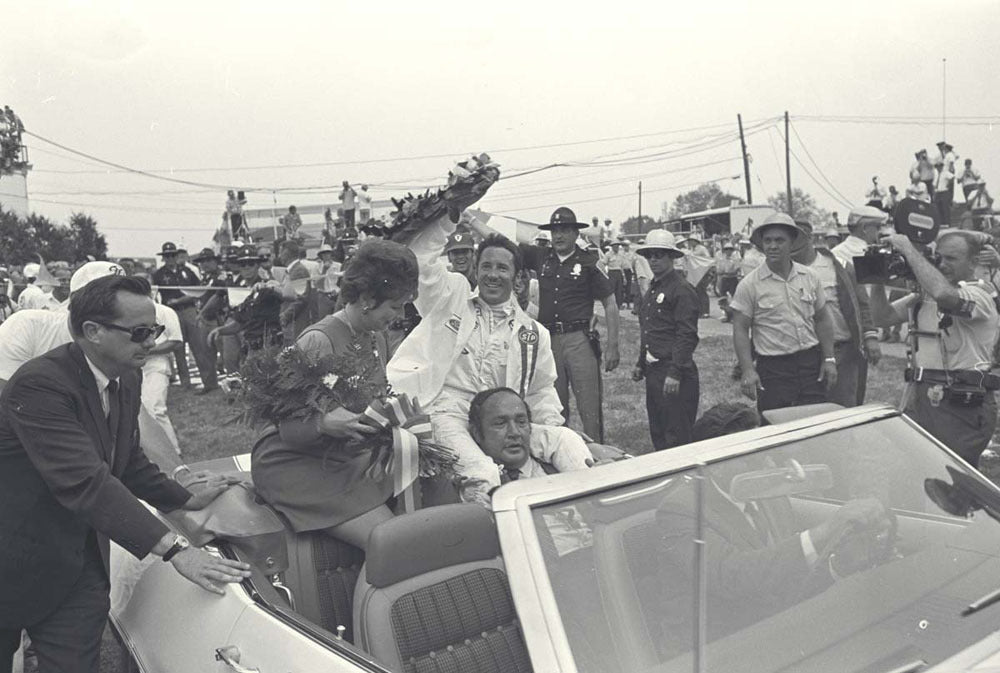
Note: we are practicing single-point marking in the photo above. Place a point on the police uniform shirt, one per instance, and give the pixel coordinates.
(216, 279)
(965, 338)
(567, 288)
(179, 275)
(669, 322)
(782, 311)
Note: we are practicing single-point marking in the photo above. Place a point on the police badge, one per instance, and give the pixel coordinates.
(577, 269)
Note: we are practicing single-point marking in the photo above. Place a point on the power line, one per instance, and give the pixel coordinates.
(846, 201)
(359, 162)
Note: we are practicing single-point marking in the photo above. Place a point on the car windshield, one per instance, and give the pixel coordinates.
(854, 550)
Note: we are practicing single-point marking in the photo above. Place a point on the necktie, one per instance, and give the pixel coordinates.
(509, 474)
(113, 414)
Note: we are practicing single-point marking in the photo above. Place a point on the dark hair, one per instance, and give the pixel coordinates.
(382, 268)
(724, 419)
(292, 247)
(97, 301)
(480, 400)
(498, 241)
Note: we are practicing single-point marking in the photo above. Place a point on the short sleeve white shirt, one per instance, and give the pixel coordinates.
(27, 334)
(166, 316)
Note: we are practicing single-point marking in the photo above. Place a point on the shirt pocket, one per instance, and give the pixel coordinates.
(807, 301)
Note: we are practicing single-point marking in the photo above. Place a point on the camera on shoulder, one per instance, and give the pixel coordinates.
(881, 263)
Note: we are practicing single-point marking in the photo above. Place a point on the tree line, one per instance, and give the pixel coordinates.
(22, 239)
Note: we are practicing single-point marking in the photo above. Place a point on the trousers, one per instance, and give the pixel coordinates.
(194, 337)
(155, 385)
(965, 430)
(68, 640)
(671, 416)
(577, 367)
(852, 376)
(790, 380)
(617, 278)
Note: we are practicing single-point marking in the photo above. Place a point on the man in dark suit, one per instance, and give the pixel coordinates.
(758, 561)
(71, 473)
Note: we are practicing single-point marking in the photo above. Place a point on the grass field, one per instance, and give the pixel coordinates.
(207, 429)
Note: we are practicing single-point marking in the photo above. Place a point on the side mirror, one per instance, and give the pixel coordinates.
(780, 481)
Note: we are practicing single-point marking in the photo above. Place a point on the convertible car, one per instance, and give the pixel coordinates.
(707, 557)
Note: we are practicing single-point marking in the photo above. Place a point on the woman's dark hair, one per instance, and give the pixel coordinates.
(384, 269)
(480, 400)
(97, 301)
(498, 241)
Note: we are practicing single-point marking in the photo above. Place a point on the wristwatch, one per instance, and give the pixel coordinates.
(180, 544)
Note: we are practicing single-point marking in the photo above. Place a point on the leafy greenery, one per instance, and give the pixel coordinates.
(705, 197)
(804, 207)
(22, 239)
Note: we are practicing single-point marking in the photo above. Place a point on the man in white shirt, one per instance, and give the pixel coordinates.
(863, 222)
(364, 205)
(470, 341)
(27, 334)
(38, 294)
(156, 371)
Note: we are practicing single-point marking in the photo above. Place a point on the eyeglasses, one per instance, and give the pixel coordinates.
(139, 333)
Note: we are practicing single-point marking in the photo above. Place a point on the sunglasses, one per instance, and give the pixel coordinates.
(248, 263)
(138, 334)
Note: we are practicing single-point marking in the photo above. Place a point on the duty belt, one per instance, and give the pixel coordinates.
(969, 377)
(567, 327)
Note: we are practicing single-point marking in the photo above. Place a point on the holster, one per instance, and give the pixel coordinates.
(594, 337)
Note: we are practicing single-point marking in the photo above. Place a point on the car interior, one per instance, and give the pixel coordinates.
(448, 608)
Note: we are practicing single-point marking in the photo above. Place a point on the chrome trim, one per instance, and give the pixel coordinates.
(632, 495)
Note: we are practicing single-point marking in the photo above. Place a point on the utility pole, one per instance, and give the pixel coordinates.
(788, 169)
(944, 98)
(746, 160)
(640, 206)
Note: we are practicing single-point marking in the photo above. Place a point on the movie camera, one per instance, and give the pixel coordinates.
(881, 263)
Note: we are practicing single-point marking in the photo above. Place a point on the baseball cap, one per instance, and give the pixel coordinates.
(92, 271)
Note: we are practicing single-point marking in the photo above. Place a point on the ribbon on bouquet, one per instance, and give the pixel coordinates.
(409, 427)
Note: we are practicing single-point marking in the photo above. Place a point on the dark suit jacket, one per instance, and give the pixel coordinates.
(750, 574)
(57, 486)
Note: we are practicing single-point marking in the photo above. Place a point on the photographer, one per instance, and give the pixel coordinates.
(950, 392)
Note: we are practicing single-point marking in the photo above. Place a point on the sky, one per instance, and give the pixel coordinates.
(298, 96)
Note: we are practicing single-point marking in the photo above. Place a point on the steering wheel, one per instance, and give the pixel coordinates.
(853, 549)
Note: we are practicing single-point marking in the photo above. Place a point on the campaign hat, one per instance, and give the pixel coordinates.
(782, 220)
(563, 216)
(205, 255)
(168, 248)
(660, 239)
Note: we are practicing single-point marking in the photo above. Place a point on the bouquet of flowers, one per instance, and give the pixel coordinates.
(468, 181)
(282, 384)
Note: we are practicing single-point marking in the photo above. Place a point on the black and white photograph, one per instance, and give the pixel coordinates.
(521, 337)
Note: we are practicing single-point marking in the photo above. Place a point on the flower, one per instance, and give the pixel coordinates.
(330, 380)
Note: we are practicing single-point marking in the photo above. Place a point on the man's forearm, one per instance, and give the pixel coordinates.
(930, 279)
(165, 347)
(614, 320)
(824, 332)
(882, 312)
(741, 342)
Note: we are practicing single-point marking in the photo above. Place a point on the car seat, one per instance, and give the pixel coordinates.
(433, 595)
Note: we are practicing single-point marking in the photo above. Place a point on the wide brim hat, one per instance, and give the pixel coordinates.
(866, 215)
(326, 247)
(660, 239)
(167, 248)
(776, 220)
(247, 254)
(563, 217)
(205, 255)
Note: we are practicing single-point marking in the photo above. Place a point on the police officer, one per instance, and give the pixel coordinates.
(784, 304)
(212, 306)
(568, 284)
(669, 335)
(257, 319)
(174, 274)
(950, 392)
(461, 255)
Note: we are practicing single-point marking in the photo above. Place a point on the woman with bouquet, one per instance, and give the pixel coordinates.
(314, 466)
